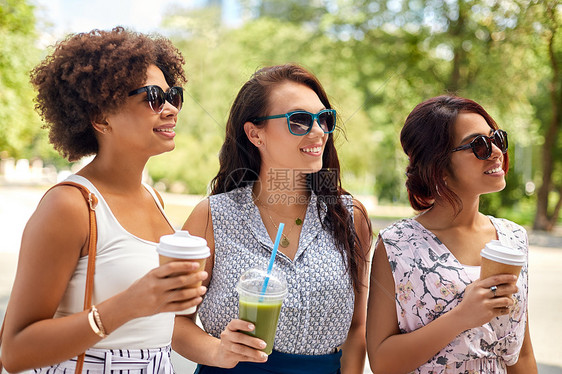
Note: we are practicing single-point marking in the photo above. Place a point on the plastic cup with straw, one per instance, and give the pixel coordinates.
(261, 294)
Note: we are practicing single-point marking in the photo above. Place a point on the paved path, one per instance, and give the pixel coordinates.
(545, 282)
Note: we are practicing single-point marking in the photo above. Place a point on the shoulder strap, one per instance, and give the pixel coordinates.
(92, 202)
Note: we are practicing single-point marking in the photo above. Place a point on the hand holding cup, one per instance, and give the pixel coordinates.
(499, 259)
(181, 246)
(261, 307)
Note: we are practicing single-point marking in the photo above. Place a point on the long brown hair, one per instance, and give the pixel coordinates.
(427, 139)
(240, 160)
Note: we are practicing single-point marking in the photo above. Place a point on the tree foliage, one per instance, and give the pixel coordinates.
(20, 134)
(545, 19)
(219, 62)
(377, 60)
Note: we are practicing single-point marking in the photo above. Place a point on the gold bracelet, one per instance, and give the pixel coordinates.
(97, 318)
(95, 322)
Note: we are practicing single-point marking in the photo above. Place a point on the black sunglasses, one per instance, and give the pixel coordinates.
(300, 122)
(482, 145)
(156, 97)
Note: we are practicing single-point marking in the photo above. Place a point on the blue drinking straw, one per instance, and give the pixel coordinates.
(272, 258)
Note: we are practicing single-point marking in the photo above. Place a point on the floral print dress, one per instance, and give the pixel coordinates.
(430, 281)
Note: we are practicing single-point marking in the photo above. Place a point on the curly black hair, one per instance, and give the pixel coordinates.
(89, 75)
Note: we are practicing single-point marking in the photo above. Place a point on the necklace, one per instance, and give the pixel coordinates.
(284, 238)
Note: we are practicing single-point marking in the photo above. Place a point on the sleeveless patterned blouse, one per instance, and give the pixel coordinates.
(430, 281)
(316, 315)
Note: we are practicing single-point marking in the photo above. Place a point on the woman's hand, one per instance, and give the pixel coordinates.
(235, 346)
(481, 304)
(167, 288)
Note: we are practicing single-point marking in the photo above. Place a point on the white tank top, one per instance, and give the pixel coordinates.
(121, 259)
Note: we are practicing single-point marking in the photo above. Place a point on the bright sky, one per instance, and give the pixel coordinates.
(68, 16)
(79, 16)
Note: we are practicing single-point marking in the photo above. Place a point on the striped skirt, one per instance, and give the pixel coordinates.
(126, 361)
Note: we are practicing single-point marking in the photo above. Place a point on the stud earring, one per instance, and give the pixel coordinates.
(259, 142)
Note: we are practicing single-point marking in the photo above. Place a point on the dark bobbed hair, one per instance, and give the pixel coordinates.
(427, 139)
(89, 75)
(240, 160)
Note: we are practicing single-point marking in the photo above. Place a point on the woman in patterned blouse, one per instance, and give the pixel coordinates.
(279, 164)
(428, 311)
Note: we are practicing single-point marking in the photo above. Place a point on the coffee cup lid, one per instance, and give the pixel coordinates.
(183, 245)
(496, 251)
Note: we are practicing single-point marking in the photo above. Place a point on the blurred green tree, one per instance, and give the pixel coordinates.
(544, 37)
(405, 52)
(220, 60)
(20, 127)
(376, 59)
(294, 11)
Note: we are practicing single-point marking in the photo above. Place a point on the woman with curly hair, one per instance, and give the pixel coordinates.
(116, 95)
(279, 163)
(429, 312)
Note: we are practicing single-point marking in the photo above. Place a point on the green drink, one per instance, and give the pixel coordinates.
(259, 306)
(264, 316)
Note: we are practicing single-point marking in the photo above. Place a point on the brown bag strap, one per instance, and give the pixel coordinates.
(92, 202)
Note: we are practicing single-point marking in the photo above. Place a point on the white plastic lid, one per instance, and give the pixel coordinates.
(252, 281)
(183, 245)
(496, 251)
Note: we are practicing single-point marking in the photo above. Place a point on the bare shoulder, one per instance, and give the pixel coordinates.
(362, 225)
(63, 207)
(61, 216)
(52, 242)
(359, 208)
(381, 272)
(199, 222)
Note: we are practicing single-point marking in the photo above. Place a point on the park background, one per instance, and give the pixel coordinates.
(376, 59)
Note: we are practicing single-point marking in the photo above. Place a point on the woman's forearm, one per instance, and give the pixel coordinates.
(50, 341)
(421, 345)
(354, 351)
(193, 343)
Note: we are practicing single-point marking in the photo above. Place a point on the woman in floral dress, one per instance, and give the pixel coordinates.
(428, 311)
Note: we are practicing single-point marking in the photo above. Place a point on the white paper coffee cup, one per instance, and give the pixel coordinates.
(182, 246)
(499, 259)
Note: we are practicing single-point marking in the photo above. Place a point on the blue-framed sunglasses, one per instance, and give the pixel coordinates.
(482, 145)
(300, 122)
(156, 97)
